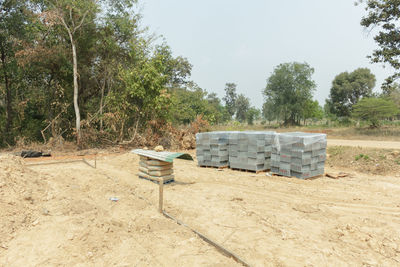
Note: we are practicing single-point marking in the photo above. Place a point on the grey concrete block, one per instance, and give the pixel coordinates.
(300, 168)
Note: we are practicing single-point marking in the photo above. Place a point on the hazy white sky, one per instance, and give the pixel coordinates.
(242, 41)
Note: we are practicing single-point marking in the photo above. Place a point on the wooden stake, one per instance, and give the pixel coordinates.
(161, 194)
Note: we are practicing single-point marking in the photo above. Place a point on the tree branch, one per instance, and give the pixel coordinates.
(80, 24)
(70, 17)
(66, 26)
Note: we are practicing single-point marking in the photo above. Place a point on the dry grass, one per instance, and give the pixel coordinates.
(366, 160)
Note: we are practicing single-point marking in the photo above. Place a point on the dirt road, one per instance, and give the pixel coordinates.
(365, 143)
(267, 221)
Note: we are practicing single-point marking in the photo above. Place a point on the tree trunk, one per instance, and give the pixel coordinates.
(101, 104)
(8, 93)
(76, 91)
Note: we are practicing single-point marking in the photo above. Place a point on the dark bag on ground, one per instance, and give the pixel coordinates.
(33, 154)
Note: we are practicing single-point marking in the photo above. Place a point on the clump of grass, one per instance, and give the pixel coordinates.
(362, 156)
(336, 150)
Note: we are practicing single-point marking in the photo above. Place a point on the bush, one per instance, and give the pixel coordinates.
(373, 110)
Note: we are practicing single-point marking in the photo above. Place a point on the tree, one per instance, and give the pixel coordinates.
(312, 110)
(288, 88)
(384, 16)
(375, 109)
(242, 107)
(143, 96)
(389, 89)
(189, 103)
(253, 114)
(15, 19)
(348, 88)
(269, 111)
(215, 107)
(230, 98)
(72, 14)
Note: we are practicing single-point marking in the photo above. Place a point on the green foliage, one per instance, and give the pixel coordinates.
(384, 16)
(347, 89)
(16, 23)
(374, 109)
(395, 97)
(288, 89)
(230, 98)
(253, 114)
(361, 156)
(143, 91)
(242, 106)
(188, 103)
(312, 110)
(269, 112)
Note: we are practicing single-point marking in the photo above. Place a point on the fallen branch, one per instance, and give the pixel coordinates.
(337, 176)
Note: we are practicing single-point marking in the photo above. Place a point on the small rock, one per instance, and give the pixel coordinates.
(70, 236)
(35, 222)
(395, 153)
(28, 197)
(45, 211)
(145, 148)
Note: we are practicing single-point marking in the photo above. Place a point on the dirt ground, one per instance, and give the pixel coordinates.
(365, 143)
(62, 215)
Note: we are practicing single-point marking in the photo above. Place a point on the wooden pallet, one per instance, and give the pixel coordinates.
(244, 170)
(213, 167)
(310, 178)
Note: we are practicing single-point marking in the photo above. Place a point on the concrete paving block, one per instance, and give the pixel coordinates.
(300, 168)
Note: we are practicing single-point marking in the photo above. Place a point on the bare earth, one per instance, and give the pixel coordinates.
(365, 143)
(66, 217)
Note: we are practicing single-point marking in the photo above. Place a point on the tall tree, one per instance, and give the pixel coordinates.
(348, 88)
(384, 15)
(218, 111)
(230, 98)
(15, 18)
(242, 107)
(288, 89)
(72, 15)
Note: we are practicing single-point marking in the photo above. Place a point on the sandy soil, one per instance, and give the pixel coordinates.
(67, 218)
(365, 143)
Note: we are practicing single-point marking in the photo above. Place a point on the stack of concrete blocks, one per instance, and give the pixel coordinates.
(250, 150)
(212, 149)
(297, 154)
(156, 170)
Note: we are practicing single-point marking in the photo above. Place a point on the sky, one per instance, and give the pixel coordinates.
(243, 41)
